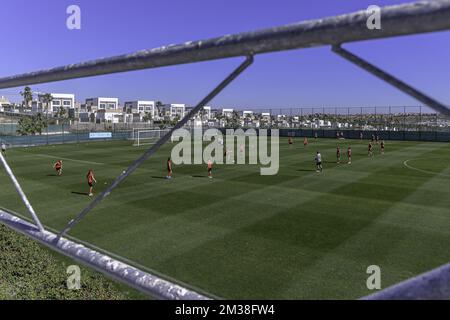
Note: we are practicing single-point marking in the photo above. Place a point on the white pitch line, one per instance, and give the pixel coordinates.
(405, 163)
(67, 159)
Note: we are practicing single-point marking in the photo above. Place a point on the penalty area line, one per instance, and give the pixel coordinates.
(67, 159)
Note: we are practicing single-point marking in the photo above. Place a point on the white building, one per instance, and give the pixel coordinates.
(227, 113)
(85, 117)
(111, 116)
(141, 106)
(3, 102)
(247, 114)
(102, 103)
(132, 117)
(65, 100)
(177, 109)
(207, 112)
(265, 115)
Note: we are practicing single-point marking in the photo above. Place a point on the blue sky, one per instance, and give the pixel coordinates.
(34, 36)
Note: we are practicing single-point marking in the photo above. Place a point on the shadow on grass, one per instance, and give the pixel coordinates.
(199, 176)
(80, 193)
(157, 177)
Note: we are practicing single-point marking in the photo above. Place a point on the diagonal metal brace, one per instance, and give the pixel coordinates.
(402, 86)
(21, 193)
(136, 164)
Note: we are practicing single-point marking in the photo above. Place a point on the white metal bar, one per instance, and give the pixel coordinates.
(138, 279)
(399, 20)
(21, 193)
(386, 77)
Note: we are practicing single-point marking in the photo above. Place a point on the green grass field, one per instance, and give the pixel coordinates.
(296, 235)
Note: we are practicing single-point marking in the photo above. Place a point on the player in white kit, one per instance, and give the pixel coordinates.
(318, 159)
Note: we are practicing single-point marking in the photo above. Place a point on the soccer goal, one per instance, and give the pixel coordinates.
(144, 137)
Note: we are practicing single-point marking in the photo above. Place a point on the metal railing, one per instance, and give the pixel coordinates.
(399, 20)
(141, 280)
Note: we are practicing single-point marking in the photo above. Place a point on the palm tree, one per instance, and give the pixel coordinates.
(24, 126)
(27, 95)
(47, 98)
(61, 112)
(147, 117)
(263, 122)
(158, 106)
(175, 120)
(219, 117)
(39, 123)
(248, 119)
(235, 120)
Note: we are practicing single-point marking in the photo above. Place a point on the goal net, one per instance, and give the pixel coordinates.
(147, 137)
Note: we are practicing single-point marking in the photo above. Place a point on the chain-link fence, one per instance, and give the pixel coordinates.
(346, 118)
(392, 123)
(51, 131)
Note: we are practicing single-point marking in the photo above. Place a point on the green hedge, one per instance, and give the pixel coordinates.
(30, 271)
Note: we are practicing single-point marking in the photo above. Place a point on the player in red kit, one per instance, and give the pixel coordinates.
(305, 141)
(58, 167)
(349, 155)
(210, 164)
(91, 180)
(382, 146)
(338, 154)
(169, 168)
(290, 142)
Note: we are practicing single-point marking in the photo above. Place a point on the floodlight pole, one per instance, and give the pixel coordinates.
(383, 75)
(21, 193)
(136, 164)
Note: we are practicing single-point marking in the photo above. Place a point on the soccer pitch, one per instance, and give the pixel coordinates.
(296, 235)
